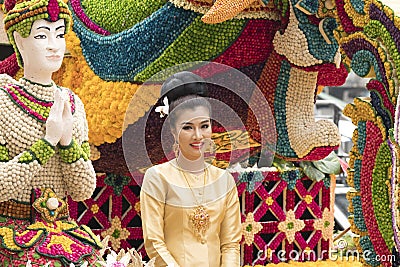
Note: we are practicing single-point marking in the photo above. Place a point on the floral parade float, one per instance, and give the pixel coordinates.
(290, 49)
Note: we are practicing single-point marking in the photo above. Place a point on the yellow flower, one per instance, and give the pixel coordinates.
(116, 233)
(291, 226)
(137, 206)
(325, 224)
(307, 250)
(308, 199)
(250, 228)
(269, 201)
(94, 208)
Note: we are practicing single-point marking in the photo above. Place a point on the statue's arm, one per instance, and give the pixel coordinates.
(78, 172)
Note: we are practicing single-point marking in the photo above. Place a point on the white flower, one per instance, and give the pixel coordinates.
(104, 242)
(28, 264)
(163, 110)
(85, 264)
(112, 260)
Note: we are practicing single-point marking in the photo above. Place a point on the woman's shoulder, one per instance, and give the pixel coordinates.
(217, 172)
(158, 167)
(221, 176)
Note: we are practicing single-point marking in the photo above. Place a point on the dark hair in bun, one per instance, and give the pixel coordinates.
(184, 90)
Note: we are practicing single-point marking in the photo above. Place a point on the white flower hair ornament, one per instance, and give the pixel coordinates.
(163, 110)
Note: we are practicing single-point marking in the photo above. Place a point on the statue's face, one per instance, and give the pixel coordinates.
(43, 50)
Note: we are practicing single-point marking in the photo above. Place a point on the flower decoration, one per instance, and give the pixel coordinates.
(325, 224)
(125, 259)
(116, 233)
(117, 260)
(269, 201)
(253, 179)
(50, 206)
(95, 208)
(308, 199)
(163, 110)
(117, 182)
(85, 264)
(223, 10)
(291, 226)
(137, 206)
(250, 228)
(291, 177)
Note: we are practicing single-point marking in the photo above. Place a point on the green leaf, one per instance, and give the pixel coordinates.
(57, 264)
(20, 254)
(312, 172)
(36, 256)
(329, 165)
(283, 165)
(3, 219)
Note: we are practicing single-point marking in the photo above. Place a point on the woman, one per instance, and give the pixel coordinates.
(44, 153)
(190, 209)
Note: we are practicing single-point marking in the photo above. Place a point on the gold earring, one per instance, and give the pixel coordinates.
(175, 147)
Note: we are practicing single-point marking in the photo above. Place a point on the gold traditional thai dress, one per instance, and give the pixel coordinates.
(168, 201)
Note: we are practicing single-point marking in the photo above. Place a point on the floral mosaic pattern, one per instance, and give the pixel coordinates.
(299, 210)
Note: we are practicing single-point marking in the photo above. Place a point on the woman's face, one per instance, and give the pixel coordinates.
(192, 131)
(43, 50)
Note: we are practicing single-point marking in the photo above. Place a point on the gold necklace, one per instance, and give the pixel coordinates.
(200, 219)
